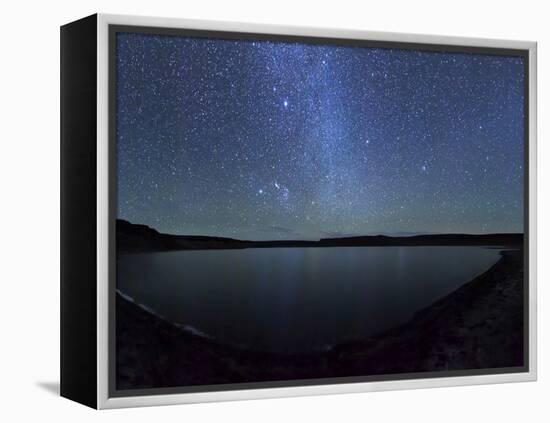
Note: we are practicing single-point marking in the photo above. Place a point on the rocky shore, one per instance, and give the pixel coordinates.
(478, 326)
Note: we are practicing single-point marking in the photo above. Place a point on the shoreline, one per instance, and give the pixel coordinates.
(479, 325)
(136, 238)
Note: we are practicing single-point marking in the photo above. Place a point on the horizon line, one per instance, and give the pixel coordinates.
(410, 235)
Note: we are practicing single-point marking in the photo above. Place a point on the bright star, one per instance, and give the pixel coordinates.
(260, 191)
(285, 103)
(424, 168)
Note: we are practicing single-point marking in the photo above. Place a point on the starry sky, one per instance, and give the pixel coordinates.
(282, 140)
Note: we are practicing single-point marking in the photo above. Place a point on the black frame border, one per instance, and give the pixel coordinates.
(113, 29)
(78, 211)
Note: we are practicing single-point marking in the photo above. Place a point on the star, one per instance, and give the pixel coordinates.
(208, 141)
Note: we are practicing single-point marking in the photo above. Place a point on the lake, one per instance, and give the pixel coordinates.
(296, 299)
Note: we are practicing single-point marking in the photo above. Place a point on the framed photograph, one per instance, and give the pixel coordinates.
(254, 211)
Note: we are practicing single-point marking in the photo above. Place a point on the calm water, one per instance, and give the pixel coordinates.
(297, 299)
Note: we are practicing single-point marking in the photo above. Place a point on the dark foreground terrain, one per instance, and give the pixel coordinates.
(478, 326)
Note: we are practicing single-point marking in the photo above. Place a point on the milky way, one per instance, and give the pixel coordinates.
(272, 140)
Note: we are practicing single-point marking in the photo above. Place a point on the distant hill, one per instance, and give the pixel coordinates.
(134, 237)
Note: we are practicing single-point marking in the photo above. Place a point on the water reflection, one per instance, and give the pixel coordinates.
(297, 299)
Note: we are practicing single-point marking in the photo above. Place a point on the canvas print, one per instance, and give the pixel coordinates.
(293, 212)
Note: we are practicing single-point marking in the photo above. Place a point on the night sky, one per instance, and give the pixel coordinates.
(271, 140)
